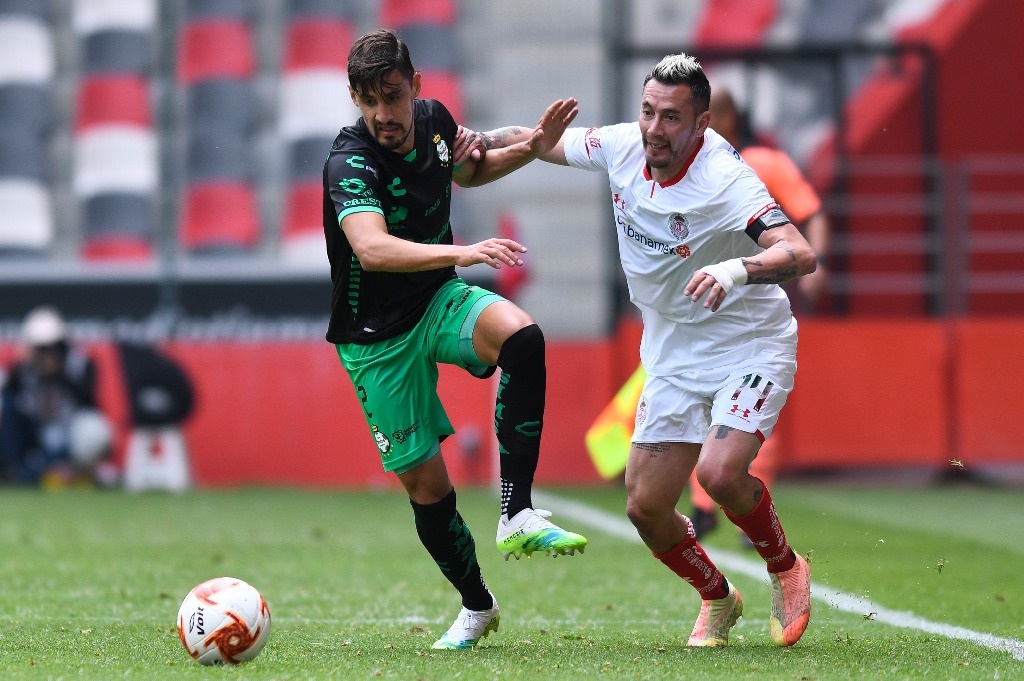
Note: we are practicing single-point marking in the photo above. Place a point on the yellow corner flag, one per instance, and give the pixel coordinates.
(608, 437)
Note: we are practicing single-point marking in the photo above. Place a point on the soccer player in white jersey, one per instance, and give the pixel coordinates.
(704, 248)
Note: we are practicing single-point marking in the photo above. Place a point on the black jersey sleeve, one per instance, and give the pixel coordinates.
(352, 179)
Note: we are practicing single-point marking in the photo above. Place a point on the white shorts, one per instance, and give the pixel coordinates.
(684, 408)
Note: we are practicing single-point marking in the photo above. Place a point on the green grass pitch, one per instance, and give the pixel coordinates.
(90, 584)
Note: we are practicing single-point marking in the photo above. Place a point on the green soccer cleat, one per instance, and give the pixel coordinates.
(469, 628)
(529, 531)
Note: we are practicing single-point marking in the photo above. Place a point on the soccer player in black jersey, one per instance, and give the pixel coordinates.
(399, 309)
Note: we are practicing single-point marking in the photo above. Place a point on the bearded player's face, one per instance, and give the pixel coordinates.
(388, 111)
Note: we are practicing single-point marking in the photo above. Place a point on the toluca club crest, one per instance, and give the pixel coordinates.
(679, 226)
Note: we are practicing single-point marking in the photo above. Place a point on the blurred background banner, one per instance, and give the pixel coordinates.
(160, 170)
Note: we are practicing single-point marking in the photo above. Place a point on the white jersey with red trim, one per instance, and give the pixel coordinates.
(668, 230)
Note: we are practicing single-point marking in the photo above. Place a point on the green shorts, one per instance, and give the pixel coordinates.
(396, 379)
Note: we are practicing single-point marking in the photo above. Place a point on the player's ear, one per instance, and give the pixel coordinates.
(703, 121)
(416, 84)
(352, 94)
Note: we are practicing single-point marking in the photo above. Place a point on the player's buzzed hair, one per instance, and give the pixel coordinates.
(682, 69)
(373, 56)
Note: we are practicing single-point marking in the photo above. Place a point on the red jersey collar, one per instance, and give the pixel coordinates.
(682, 171)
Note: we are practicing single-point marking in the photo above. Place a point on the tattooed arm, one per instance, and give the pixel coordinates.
(511, 148)
(472, 147)
(786, 255)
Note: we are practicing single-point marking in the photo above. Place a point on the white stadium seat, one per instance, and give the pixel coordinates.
(26, 50)
(90, 16)
(115, 158)
(26, 221)
(314, 103)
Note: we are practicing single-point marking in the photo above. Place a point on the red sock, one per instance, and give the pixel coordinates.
(688, 560)
(765, 531)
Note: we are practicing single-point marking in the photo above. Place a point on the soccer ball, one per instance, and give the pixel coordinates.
(223, 620)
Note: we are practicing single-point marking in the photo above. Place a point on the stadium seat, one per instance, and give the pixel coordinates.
(399, 13)
(219, 218)
(113, 100)
(116, 248)
(118, 226)
(117, 51)
(26, 50)
(40, 9)
(445, 87)
(323, 9)
(735, 23)
(302, 239)
(217, 152)
(27, 105)
(26, 221)
(220, 9)
(115, 158)
(227, 102)
(306, 157)
(432, 46)
(836, 21)
(22, 154)
(215, 48)
(317, 43)
(116, 213)
(90, 16)
(315, 103)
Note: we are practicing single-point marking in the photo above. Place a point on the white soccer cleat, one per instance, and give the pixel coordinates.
(469, 628)
(529, 531)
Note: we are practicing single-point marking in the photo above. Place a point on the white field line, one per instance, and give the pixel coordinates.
(623, 529)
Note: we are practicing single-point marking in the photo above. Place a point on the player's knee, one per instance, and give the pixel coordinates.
(642, 512)
(526, 344)
(715, 480)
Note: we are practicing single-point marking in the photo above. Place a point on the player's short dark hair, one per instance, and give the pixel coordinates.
(682, 69)
(373, 56)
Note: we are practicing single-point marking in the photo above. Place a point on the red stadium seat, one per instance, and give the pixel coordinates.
(216, 49)
(317, 43)
(445, 87)
(113, 100)
(220, 217)
(302, 239)
(117, 248)
(398, 13)
(735, 23)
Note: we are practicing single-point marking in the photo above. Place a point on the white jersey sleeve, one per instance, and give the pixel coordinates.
(596, 148)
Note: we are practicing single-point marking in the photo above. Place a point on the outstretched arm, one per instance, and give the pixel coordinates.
(511, 148)
(379, 251)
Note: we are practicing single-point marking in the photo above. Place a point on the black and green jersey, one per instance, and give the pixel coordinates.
(413, 192)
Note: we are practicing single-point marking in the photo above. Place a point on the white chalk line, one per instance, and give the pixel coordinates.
(621, 528)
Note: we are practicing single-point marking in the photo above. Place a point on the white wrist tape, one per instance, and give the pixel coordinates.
(728, 273)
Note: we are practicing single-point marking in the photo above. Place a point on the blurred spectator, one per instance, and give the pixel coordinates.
(51, 430)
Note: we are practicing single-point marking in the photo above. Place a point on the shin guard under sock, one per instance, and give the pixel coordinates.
(519, 415)
(449, 542)
(765, 531)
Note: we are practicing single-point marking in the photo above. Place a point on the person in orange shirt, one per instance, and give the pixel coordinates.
(801, 203)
